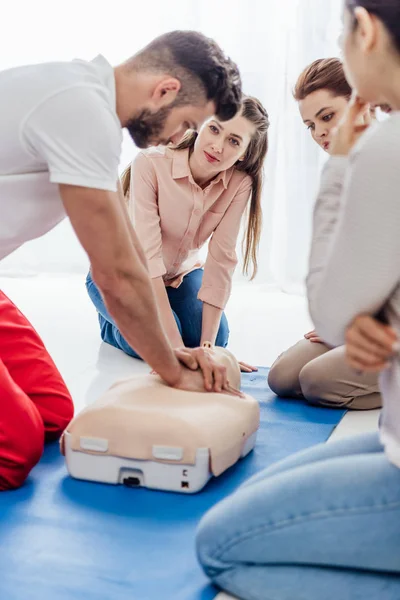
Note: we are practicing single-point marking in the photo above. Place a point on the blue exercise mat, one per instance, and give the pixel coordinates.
(70, 540)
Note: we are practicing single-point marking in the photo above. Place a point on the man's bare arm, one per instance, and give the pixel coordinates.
(118, 268)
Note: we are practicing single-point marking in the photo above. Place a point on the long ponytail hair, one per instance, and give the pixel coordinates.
(252, 164)
(126, 180)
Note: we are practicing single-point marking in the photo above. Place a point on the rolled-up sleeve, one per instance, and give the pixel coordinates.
(144, 213)
(222, 259)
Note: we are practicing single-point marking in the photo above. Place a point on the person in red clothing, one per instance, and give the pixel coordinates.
(35, 405)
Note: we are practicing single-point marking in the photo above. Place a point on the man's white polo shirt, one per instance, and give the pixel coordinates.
(58, 125)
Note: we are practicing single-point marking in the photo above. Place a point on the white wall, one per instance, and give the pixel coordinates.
(271, 41)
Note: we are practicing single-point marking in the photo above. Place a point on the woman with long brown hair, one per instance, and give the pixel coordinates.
(181, 197)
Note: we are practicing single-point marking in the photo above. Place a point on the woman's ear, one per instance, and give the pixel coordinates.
(367, 28)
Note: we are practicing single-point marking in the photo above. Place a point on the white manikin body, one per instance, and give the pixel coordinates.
(143, 433)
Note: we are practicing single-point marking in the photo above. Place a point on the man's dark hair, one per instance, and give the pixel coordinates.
(201, 67)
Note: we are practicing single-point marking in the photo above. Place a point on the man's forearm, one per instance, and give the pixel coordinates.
(130, 301)
(151, 341)
(117, 264)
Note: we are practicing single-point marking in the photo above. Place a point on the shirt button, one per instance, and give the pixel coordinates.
(197, 211)
(176, 264)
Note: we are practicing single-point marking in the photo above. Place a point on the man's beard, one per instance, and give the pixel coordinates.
(145, 129)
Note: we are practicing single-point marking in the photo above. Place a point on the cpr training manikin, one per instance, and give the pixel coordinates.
(142, 432)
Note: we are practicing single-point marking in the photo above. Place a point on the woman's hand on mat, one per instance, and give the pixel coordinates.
(370, 344)
(213, 376)
(312, 336)
(245, 368)
(355, 122)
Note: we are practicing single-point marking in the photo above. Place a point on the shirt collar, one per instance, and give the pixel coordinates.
(181, 169)
(108, 77)
(225, 177)
(180, 164)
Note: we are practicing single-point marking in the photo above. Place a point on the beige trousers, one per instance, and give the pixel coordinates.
(321, 376)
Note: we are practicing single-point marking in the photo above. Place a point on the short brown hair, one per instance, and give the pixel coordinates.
(322, 74)
(195, 60)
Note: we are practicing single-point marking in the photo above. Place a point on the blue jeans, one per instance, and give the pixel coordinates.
(186, 307)
(324, 524)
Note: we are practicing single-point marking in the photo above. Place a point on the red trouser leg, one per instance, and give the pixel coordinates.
(27, 374)
(21, 433)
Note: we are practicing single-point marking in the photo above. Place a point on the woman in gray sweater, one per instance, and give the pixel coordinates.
(325, 524)
(312, 370)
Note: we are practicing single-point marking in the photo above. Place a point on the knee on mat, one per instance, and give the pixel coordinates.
(105, 328)
(58, 421)
(317, 385)
(279, 379)
(20, 456)
(206, 546)
(110, 334)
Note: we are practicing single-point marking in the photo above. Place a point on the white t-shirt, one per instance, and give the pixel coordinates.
(58, 124)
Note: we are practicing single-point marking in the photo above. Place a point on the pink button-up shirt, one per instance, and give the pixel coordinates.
(174, 218)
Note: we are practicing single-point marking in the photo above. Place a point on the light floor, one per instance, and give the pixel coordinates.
(263, 322)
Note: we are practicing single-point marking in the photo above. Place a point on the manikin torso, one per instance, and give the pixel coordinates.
(140, 413)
